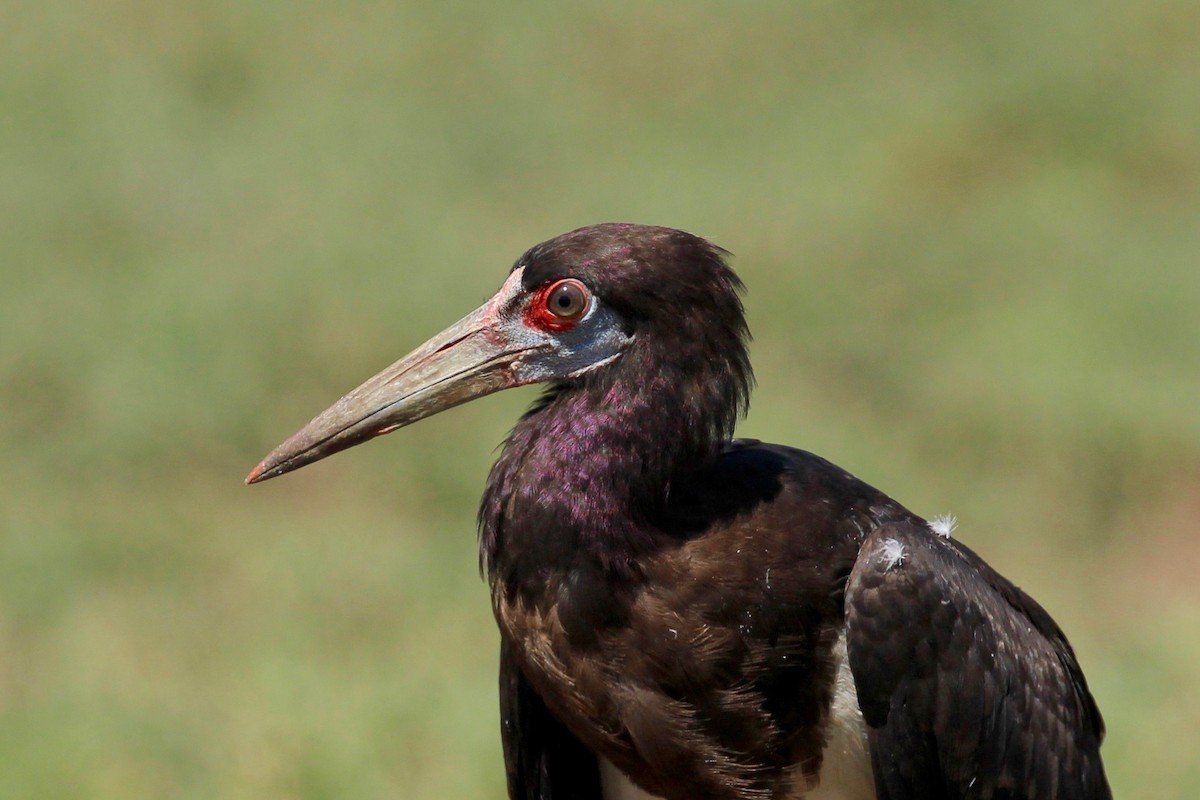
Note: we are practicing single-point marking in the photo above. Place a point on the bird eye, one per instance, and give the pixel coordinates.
(567, 300)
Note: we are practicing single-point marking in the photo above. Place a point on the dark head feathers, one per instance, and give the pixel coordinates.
(678, 297)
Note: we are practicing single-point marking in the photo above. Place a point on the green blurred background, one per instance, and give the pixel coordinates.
(971, 236)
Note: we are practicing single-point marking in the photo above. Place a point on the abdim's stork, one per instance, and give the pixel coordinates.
(705, 617)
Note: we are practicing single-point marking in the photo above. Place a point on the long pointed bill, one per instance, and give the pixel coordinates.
(477, 355)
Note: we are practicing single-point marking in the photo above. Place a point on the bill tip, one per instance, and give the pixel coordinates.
(255, 475)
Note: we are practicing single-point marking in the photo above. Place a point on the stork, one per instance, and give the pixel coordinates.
(709, 618)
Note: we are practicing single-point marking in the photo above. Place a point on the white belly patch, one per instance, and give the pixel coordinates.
(615, 786)
(846, 761)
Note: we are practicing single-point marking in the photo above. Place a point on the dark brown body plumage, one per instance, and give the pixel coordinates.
(714, 660)
(968, 687)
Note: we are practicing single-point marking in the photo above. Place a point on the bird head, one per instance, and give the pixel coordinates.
(572, 309)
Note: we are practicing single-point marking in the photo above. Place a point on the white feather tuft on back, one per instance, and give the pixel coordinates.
(943, 525)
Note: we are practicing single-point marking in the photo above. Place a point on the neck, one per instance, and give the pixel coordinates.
(586, 470)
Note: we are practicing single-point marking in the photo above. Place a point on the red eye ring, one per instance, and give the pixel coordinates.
(559, 305)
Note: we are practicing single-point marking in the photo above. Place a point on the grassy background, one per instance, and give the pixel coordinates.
(971, 234)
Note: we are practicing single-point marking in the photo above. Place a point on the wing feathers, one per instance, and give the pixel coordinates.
(543, 760)
(970, 688)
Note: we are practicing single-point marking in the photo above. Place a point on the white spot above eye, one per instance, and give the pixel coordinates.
(943, 525)
(891, 554)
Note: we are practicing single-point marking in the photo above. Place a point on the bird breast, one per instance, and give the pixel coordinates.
(845, 766)
(666, 692)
